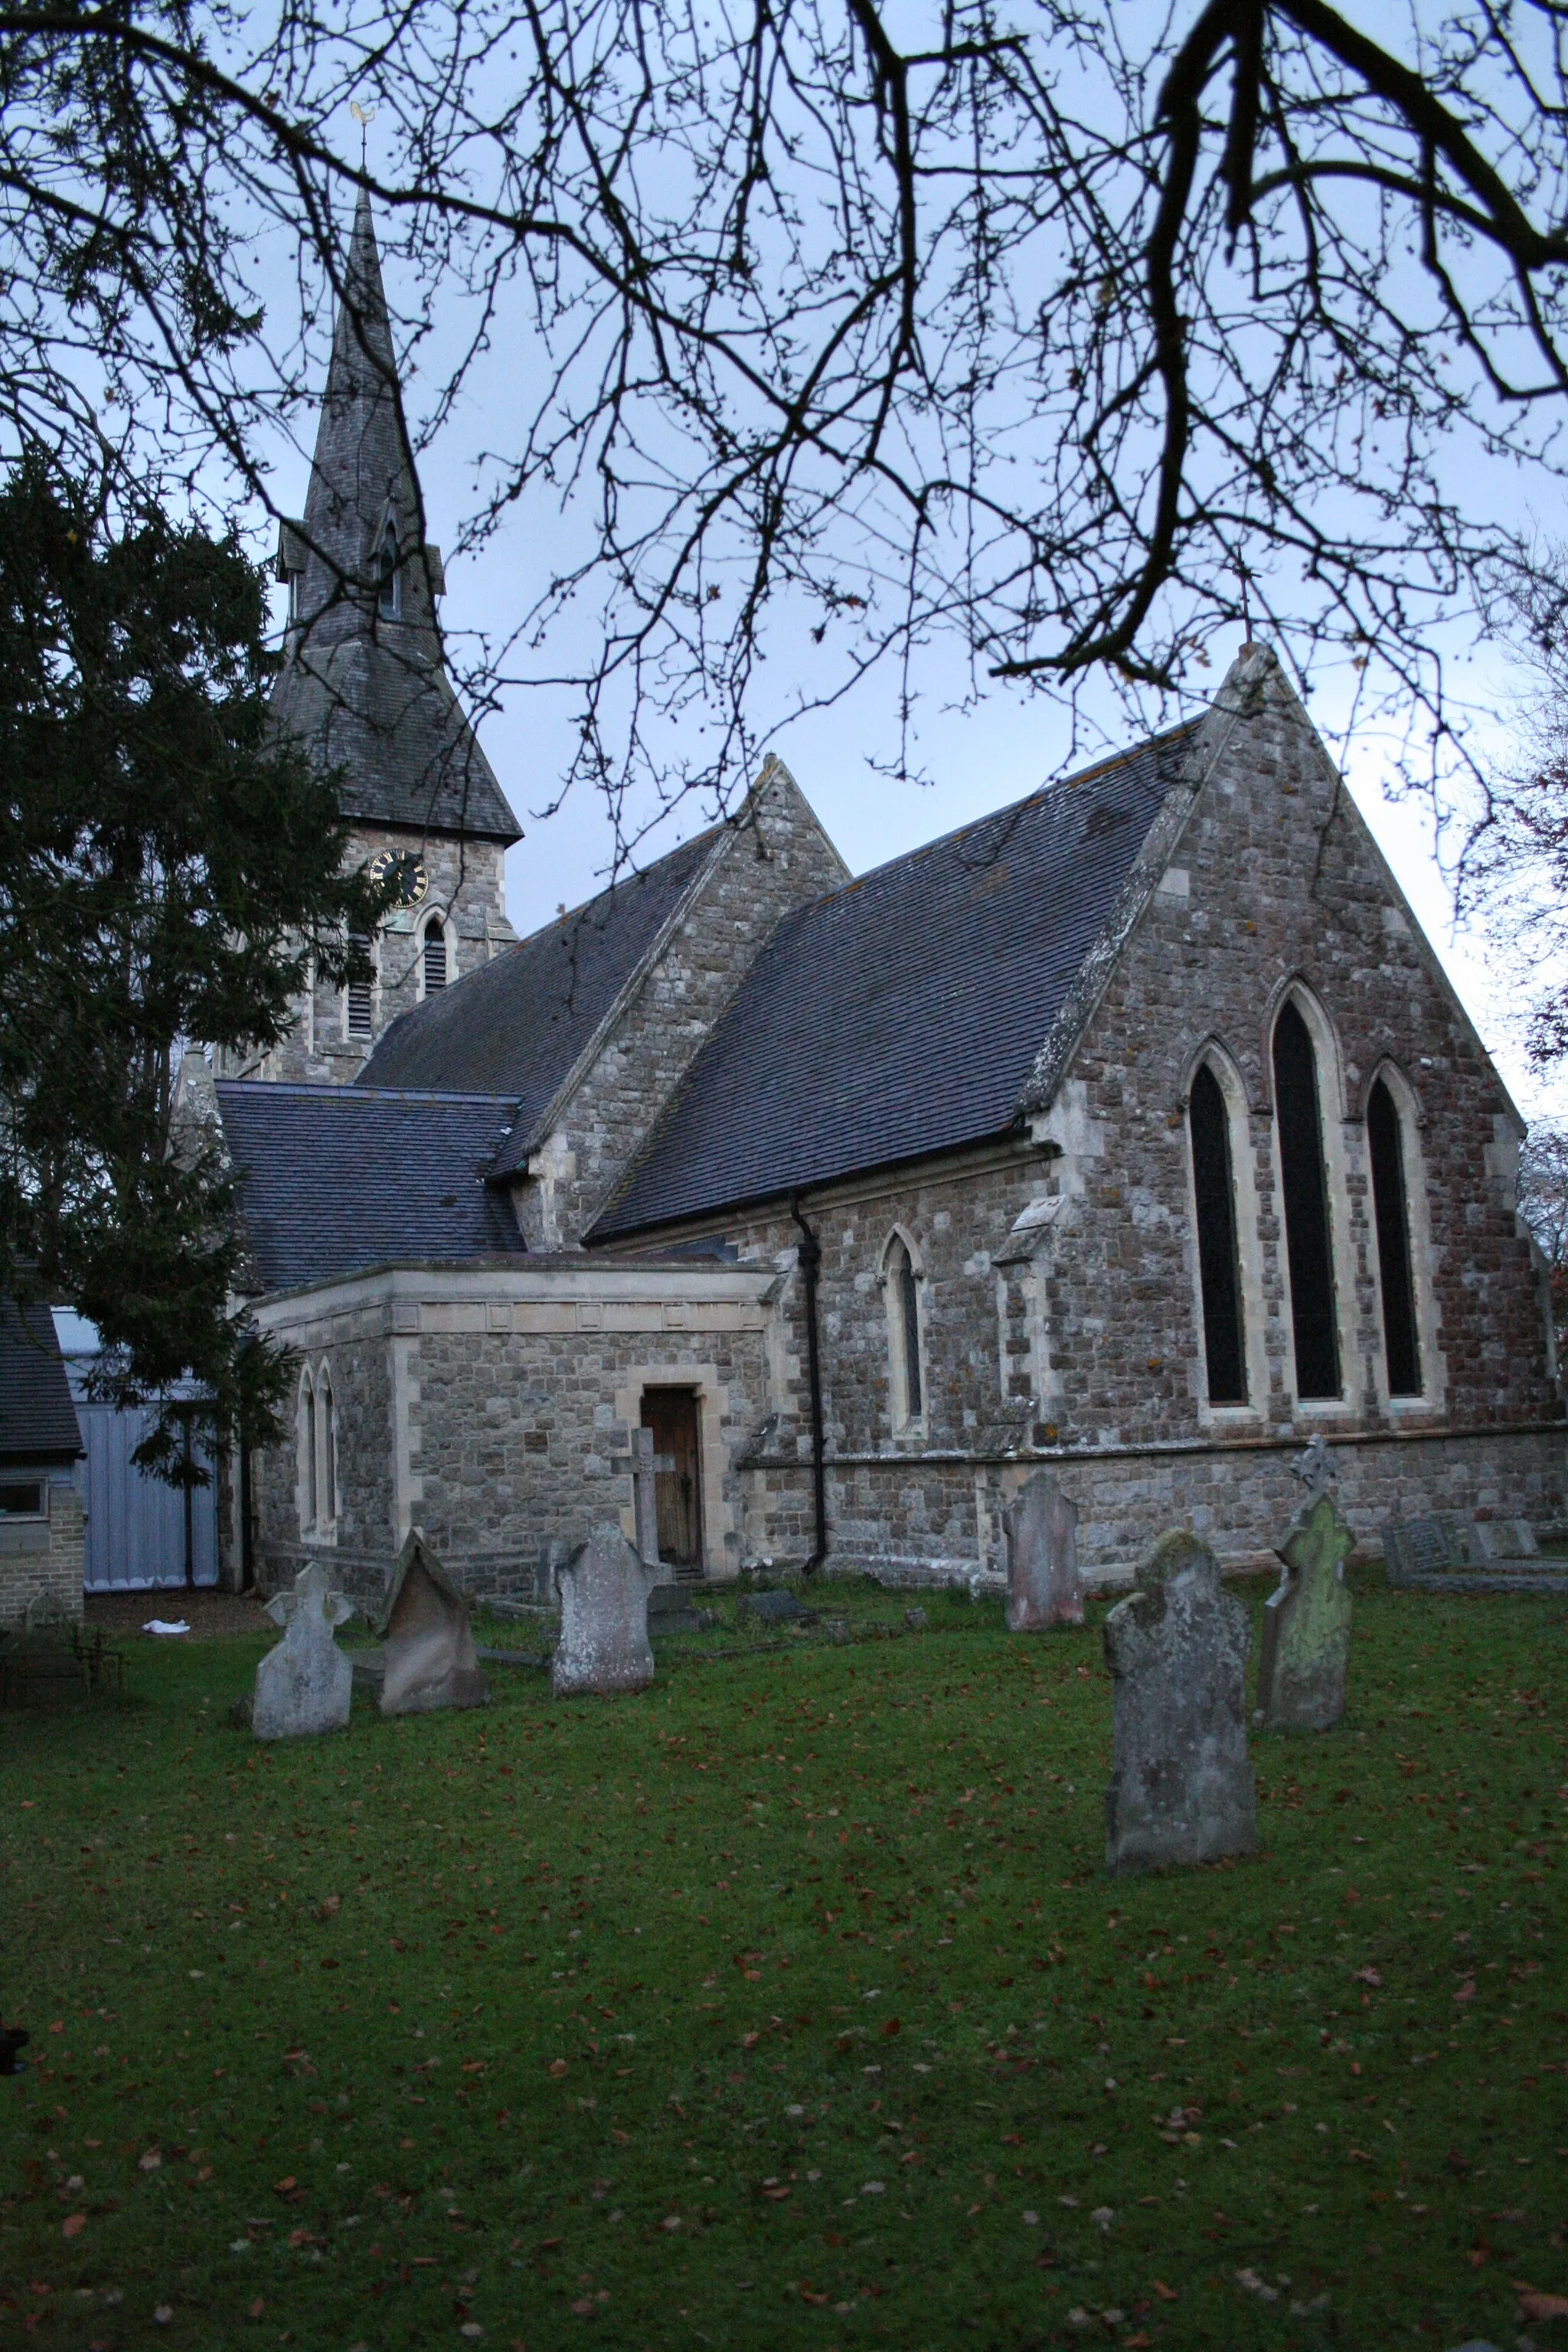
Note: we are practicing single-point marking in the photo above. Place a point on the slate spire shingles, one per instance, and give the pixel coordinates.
(367, 690)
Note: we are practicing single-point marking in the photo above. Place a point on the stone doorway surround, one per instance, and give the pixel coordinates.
(719, 1554)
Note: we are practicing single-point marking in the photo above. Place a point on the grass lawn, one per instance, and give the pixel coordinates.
(788, 2004)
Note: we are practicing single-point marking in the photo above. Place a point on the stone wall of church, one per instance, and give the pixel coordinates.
(494, 1411)
(466, 886)
(776, 859)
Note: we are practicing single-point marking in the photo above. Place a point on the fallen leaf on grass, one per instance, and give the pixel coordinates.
(1253, 2284)
(1166, 2294)
(1467, 1992)
(1535, 2304)
(584, 2308)
(1372, 1976)
(254, 2310)
(557, 2067)
(73, 2225)
(149, 2162)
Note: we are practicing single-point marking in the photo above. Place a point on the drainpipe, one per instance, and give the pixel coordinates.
(810, 1257)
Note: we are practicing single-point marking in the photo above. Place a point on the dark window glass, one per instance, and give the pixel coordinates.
(391, 581)
(1223, 1347)
(1306, 1208)
(1399, 1339)
(22, 1500)
(434, 956)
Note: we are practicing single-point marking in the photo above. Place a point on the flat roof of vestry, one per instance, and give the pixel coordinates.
(902, 1015)
(336, 1178)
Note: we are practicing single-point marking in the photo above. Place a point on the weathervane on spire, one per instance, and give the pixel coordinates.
(364, 116)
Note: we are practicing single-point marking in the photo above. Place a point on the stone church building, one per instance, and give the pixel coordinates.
(1133, 1131)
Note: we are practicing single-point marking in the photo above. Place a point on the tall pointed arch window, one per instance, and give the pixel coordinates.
(1401, 1339)
(902, 1286)
(435, 955)
(1213, 1188)
(328, 1439)
(310, 1490)
(390, 573)
(1307, 1245)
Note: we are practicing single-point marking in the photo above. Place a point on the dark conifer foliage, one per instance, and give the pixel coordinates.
(168, 867)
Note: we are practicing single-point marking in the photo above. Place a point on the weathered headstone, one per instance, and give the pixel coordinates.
(427, 1643)
(1416, 1548)
(1307, 1626)
(1504, 1539)
(777, 1606)
(305, 1685)
(1041, 1528)
(670, 1611)
(1181, 1787)
(603, 1646)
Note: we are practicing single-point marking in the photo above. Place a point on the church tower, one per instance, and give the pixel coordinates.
(364, 684)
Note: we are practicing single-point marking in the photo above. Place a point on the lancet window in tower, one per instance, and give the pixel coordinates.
(391, 573)
(1401, 1346)
(1215, 1189)
(435, 955)
(1308, 1248)
(361, 997)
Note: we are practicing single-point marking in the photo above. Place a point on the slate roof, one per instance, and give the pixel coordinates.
(903, 1015)
(371, 695)
(37, 1418)
(516, 1026)
(336, 1178)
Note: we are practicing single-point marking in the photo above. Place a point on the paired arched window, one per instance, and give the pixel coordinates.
(1385, 1148)
(359, 997)
(391, 573)
(435, 955)
(1309, 1244)
(1213, 1188)
(901, 1285)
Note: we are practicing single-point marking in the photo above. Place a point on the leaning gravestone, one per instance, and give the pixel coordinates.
(1307, 1626)
(304, 1687)
(1181, 1786)
(1041, 1528)
(427, 1644)
(603, 1646)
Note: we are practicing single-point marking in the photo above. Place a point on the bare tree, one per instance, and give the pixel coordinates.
(1543, 1205)
(1079, 334)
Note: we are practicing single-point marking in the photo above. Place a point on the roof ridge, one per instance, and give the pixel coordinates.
(330, 1090)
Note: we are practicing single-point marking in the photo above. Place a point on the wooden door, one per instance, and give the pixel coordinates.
(671, 1415)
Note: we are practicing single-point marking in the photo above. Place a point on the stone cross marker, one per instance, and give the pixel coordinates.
(305, 1685)
(603, 1646)
(1307, 1626)
(1041, 1528)
(643, 1467)
(428, 1641)
(1181, 1787)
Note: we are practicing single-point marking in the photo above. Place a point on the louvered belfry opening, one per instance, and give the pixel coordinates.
(1300, 1121)
(434, 956)
(1401, 1344)
(1213, 1185)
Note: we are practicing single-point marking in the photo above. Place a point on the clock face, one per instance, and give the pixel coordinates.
(401, 866)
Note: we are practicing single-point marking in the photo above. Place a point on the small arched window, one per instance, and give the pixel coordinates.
(360, 995)
(903, 1333)
(1308, 1250)
(329, 1443)
(391, 573)
(435, 955)
(1402, 1345)
(310, 1490)
(1214, 1189)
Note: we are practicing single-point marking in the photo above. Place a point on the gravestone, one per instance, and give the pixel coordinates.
(427, 1644)
(1504, 1539)
(645, 1495)
(304, 1687)
(1416, 1547)
(603, 1646)
(670, 1611)
(1041, 1530)
(1181, 1787)
(780, 1607)
(1307, 1626)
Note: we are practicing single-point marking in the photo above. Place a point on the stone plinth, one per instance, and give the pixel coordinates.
(604, 1646)
(1041, 1528)
(1307, 1626)
(304, 1687)
(1181, 1789)
(426, 1641)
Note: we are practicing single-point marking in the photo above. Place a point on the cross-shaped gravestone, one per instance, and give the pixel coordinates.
(1307, 1626)
(304, 1685)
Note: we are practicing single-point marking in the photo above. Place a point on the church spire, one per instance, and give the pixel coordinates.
(364, 680)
